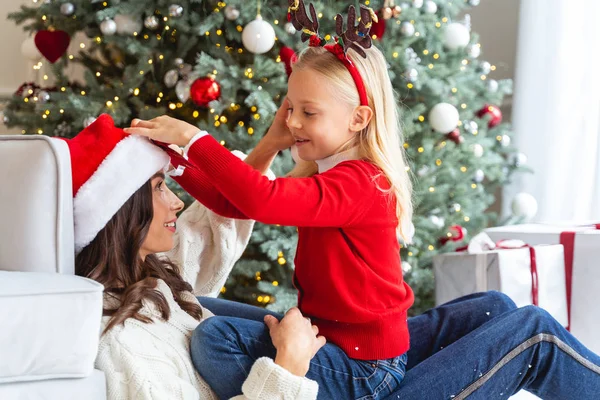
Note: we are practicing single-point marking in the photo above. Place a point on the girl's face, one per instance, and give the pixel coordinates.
(166, 205)
(320, 122)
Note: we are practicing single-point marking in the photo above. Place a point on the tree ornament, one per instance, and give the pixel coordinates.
(471, 126)
(407, 29)
(456, 233)
(455, 136)
(30, 51)
(443, 118)
(494, 113)
(438, 222)
(171, 78)
(67, 9)
(474, 3)
(492, 85)
(182, 90)
(232, 13)
(396, 11)
(108, 27)
(417, 3)
(88, 121)
(43, 96)
(406, 267)
(485, 67)
(474, 50)
(178, 61)
(430, 7)
(411, 75)
(258, 36)
(52, 44)
(289, 28)
(455, 207)
(525, 206)
(378, 27)
(151, 22)
(387, 13)
(479, 176)
(204, 90)
(288, 57)
(127, 25)
(478, 150)
(505, 141)
(519, 159)
(175, 10)
(456, 36)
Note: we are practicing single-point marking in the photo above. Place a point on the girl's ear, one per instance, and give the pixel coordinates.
(361, 116)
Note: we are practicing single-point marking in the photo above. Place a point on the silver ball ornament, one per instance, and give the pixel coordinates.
(151, 22)
(289, 28)
(474, 3)
(492, 85)
(407, 29)
(470, 126)
(456, 207)
(406, 267)
(417, 3)
(175, 10)
(67, 9)
(108, 27)
(171, 78)
(178, 61)
(411, 75)
(478, 150)
(232, 13)
(430, 7)
(43, 96)
(485, 67)
(473, 50)
(479, 176)
(519, 159)
(505, 141)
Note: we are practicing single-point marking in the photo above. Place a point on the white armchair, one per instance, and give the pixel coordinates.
(49, 318)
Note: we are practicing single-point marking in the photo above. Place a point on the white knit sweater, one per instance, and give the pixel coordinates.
(152, 361)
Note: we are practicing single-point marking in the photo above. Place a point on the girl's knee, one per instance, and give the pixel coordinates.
(501, 300)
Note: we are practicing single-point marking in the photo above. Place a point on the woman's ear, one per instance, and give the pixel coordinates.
(361, 117)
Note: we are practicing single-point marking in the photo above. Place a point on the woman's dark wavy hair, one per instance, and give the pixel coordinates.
(113, 259)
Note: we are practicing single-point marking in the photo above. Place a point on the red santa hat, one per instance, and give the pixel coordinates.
(108, 166)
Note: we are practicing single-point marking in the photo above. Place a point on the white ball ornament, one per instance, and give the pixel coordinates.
(438, 222)
(430, 7)
(171, 78)
(505, 141)
(478, 150)
(232, 13)
(127, 25)
(258, 36)
(182, 90)
(108, 27)
(456, 36)
(417, 3)
(29, 50)
(443, 118)
(67, 9)
(407, 29)
(406, 267)
(492, 85)
(473, 50)
(524, 205)
(289, 28)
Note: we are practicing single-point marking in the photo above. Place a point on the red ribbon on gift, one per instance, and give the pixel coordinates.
(532, 266)
(567, 239)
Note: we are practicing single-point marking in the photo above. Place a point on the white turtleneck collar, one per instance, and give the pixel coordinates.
(327, 163)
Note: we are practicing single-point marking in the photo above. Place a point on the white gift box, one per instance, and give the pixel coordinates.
(508, 271)
(582, 246)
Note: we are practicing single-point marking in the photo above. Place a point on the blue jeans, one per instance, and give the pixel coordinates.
(479, 346)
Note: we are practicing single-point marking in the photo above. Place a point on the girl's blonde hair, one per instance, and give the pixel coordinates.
(381, 141)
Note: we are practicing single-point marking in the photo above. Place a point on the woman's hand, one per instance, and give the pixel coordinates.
(164, 129)
(296, 340)
(279, 135)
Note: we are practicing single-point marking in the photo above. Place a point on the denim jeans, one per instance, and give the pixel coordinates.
(479, 346)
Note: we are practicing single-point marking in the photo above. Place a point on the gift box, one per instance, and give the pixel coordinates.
(528, 275)
(582, 251)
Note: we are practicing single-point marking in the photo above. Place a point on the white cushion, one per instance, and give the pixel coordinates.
(50, 325)
(91, 388)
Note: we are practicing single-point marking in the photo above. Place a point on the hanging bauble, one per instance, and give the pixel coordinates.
(417, 3)
(378, 27)
(175, 10)
(108, 27)
(505, 140)
(438, 222)
(151, 22)
(67, 9)
(407, 29)
(289, 28)
(485, 68)
(178, 61)
(411, 75)
(406, 267)
(182, 90)
(430, 7)
(185, 69)
(258, 36)
(204, 90)
(29, 50)
(455, 207)
(52, 44)
(232, 13)
(519, 159)
(455, 136)
(127, 25)
(171, 78)
(456, 36)
(474, 50)
(479, 176)
(494, 113)
(443, 118)
(492, 85)
(456, 233)
(524, 205)
(470, 126)
(288, 57)
(396, 11)
(478, 150)
(88, 121)
(43, 96)
(474, 3)
(387, 12)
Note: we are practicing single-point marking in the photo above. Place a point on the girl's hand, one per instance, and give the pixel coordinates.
(164, 129)
(279, 135)
(296, 341)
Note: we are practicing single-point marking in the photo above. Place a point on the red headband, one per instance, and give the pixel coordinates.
(354, 37)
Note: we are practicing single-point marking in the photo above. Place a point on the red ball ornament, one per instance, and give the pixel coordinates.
(455, 136)
(456, 233)
(494, 113)
(288, 57)
(204, 90)
(52, 44)
(378, 28)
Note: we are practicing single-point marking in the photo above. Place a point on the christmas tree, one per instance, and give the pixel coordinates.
(223, 66)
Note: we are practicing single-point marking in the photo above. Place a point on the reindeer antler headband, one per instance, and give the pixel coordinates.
(354, 37)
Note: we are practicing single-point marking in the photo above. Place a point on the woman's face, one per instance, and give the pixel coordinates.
(166, 205)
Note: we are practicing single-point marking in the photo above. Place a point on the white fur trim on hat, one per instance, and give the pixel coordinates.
(128, 166)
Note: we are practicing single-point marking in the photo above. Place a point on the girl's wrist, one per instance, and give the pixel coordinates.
(291, 363)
